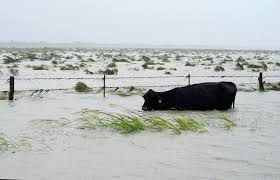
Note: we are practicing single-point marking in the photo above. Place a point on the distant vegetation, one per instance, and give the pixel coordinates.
(240, 59)
(119, 60)
(40, 67)
(89, 62)
(109, 71)
(160, 68)
(239, 66)
(69, 67)
(31, 56)
(189, 64)
(8, 60)
(112, 65)
(88, 71)
(219, 68)
(264, 66)
(253, 66)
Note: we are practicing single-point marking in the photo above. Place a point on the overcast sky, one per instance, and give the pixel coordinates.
(191, 22)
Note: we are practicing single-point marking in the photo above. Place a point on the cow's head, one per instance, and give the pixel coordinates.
(152, 100)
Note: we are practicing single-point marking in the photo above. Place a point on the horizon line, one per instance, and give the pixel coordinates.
(89, 44)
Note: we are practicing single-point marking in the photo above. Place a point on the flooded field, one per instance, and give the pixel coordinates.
(93, 63)
(58, 149)
(41, 135)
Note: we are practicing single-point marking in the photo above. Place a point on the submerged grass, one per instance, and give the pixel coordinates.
(52, 123)
(228, 122)
(5, 143)
(24, 143)
(133, 122)
(191, 124)
(272, 86)
(159, 124)
(128, 91)
(249, 89)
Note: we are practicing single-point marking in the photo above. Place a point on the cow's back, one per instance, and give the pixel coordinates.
(212, 95)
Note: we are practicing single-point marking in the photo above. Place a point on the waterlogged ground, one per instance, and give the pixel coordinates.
(93, 63)
(59, 150)
(41, 138)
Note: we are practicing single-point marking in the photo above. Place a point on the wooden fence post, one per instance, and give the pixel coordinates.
(261, 82)
(104, 85)
(189, 76)
(12, 88)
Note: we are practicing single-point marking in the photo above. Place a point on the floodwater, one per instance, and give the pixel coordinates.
(251, 150)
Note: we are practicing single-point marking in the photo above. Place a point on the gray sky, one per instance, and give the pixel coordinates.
(250, 23)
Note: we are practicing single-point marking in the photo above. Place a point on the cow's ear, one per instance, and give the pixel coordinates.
(152, 93)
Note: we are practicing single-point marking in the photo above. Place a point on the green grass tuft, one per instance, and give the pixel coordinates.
(159, 124)
(228, 122)
(82, 87)
(133, 122)
(190, 124)
(2, 97)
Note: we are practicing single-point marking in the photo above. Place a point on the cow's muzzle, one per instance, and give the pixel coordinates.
(144, 108)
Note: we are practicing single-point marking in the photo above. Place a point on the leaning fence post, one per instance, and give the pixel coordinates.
(261, 82)
(12, 88)
(189, 77)
(104, 85)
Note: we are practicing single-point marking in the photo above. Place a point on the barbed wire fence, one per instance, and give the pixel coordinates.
(105, 82)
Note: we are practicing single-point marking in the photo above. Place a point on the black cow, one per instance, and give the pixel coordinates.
(204, 96)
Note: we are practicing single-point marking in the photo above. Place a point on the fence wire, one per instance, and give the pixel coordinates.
(41, 84)
(130, 77)
(135, 77)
